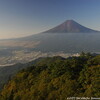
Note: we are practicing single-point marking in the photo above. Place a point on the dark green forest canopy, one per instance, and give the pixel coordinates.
(56, 78)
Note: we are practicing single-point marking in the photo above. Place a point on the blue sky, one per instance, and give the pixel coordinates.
(25, 17)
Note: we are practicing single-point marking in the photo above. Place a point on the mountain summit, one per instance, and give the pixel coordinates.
(70, 26)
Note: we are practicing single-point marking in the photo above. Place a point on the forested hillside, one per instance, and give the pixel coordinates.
(7, 72)
(56, 78)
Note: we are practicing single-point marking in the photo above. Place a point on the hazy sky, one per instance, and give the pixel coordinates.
(24, 17)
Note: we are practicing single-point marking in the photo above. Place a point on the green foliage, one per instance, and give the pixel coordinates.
(56, 79)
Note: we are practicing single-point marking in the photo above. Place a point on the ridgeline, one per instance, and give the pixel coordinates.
(56, 78)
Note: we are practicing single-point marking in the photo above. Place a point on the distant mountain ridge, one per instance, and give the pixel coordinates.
(70, 26)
